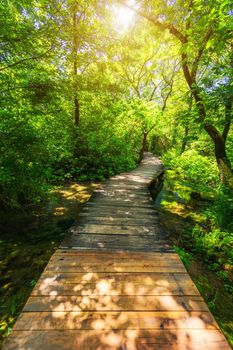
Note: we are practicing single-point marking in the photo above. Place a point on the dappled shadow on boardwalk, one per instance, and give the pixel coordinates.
(115, 301)
(110, 287)
(120, 340)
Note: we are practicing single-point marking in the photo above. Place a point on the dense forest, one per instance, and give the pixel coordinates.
(88, 86)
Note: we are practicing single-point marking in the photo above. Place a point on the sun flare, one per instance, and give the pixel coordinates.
(123, 18)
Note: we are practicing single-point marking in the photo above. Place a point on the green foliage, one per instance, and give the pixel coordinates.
(185, 257)
(209, 236)
(215, 245)
(199, 172)
(125, 85)
(21, 173)
(221, 212)
(100, 157)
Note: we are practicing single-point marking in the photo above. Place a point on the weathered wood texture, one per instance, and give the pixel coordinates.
(115, 283)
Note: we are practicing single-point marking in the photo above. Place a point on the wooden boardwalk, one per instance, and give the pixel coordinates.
(115, 283)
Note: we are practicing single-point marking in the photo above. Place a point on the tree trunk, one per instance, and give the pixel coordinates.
(186, 129)
(184, 142)
(190, 76)
(226, 174)
(143, 148)
(144, 142)
(75, 66)
(223, 162)
(220, 154)
(76, 110)
(224, 165)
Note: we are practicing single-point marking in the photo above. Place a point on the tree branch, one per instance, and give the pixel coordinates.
(153, 92)
(148, 131)
(199, 55)
(26, 59)
(167, 96)
(186, 70)
(172, 29)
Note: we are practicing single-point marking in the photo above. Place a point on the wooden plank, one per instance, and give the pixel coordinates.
(117, 242)
(118, 255)
(141, 220)
(117, 221)
(115, 303)
(145, 279)
(136, 199)
(129, 178)
(113, 262)
(134, 180)
(127, 187)
(140, 339)
(120, 204)
(114, 320)
(114, 289)
(118, 213)
(115, 229)
(123, 212)
(108, 191)
(130, 258)
(160, 247)
(115, 266)
(115, 184)
(121, 207)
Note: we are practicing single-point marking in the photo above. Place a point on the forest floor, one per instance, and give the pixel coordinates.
(179, 216)
(28, 241)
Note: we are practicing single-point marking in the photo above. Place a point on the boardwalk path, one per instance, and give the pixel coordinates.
(115, 283)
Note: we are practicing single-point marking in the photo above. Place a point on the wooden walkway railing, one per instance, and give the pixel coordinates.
(115, 283)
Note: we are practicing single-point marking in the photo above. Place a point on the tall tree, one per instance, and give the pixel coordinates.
(76, 17)
(146, 68)
(203, 31)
